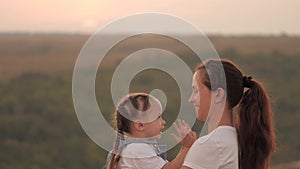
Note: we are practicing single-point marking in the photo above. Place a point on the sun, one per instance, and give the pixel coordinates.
(89, 23)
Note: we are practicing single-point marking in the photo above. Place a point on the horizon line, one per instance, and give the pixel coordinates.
(282, 34)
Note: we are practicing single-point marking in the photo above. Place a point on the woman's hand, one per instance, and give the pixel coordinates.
(186, 136)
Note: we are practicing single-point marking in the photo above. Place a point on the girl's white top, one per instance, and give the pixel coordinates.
(140, 156)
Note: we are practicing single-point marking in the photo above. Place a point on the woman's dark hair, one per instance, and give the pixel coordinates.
(127, 109)
(256, 136)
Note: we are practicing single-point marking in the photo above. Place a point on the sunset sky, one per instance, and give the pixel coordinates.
(211, 16)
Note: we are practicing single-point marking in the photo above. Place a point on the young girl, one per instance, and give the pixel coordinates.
(139, 124)
(251, 142)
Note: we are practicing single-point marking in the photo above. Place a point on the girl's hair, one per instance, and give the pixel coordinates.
(256, 136)
(128, 108)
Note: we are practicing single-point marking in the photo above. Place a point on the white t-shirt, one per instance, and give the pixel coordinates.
(217, 150)
(140, 156)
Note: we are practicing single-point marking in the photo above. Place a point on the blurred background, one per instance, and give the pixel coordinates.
(40, 41)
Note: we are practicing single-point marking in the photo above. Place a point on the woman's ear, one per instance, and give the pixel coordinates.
(219, 95)
(138, 126)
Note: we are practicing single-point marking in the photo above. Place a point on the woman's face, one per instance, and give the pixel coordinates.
(200, 98)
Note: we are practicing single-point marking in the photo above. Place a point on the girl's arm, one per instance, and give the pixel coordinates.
(185, 167)
(178, 160)
(186, 137)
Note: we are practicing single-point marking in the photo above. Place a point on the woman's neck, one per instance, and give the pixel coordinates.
(225, 120)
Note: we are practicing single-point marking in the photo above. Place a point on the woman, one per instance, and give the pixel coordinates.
(219, 87)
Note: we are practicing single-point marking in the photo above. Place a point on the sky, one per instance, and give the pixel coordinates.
(210, 16)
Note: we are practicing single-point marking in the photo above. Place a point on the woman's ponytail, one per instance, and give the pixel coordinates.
(255, 127)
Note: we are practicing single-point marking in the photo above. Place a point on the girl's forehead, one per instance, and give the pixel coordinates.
(155, 108)
(154, 111)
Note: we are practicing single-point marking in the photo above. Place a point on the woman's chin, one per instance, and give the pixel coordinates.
(196, 110)
(200, 118)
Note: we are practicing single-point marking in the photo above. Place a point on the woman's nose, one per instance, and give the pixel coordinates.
(191, 99)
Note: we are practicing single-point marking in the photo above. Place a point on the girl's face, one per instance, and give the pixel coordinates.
(200, 98)
(153, 129)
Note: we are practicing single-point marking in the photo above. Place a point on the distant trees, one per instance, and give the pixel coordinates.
(39, 128)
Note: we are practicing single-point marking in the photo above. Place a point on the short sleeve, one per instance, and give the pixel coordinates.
(136, 156)
(151, 163)
(203, 155)
(138, 150)
(155, 162)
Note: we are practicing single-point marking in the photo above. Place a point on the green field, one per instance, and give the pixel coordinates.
(38, 124)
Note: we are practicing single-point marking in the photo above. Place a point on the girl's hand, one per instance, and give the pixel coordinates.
(186, 136)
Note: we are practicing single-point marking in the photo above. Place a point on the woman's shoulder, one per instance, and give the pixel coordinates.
(224, 135)
(220, 146)
(221, 134)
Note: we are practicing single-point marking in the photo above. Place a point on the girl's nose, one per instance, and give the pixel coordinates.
(163, 121)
